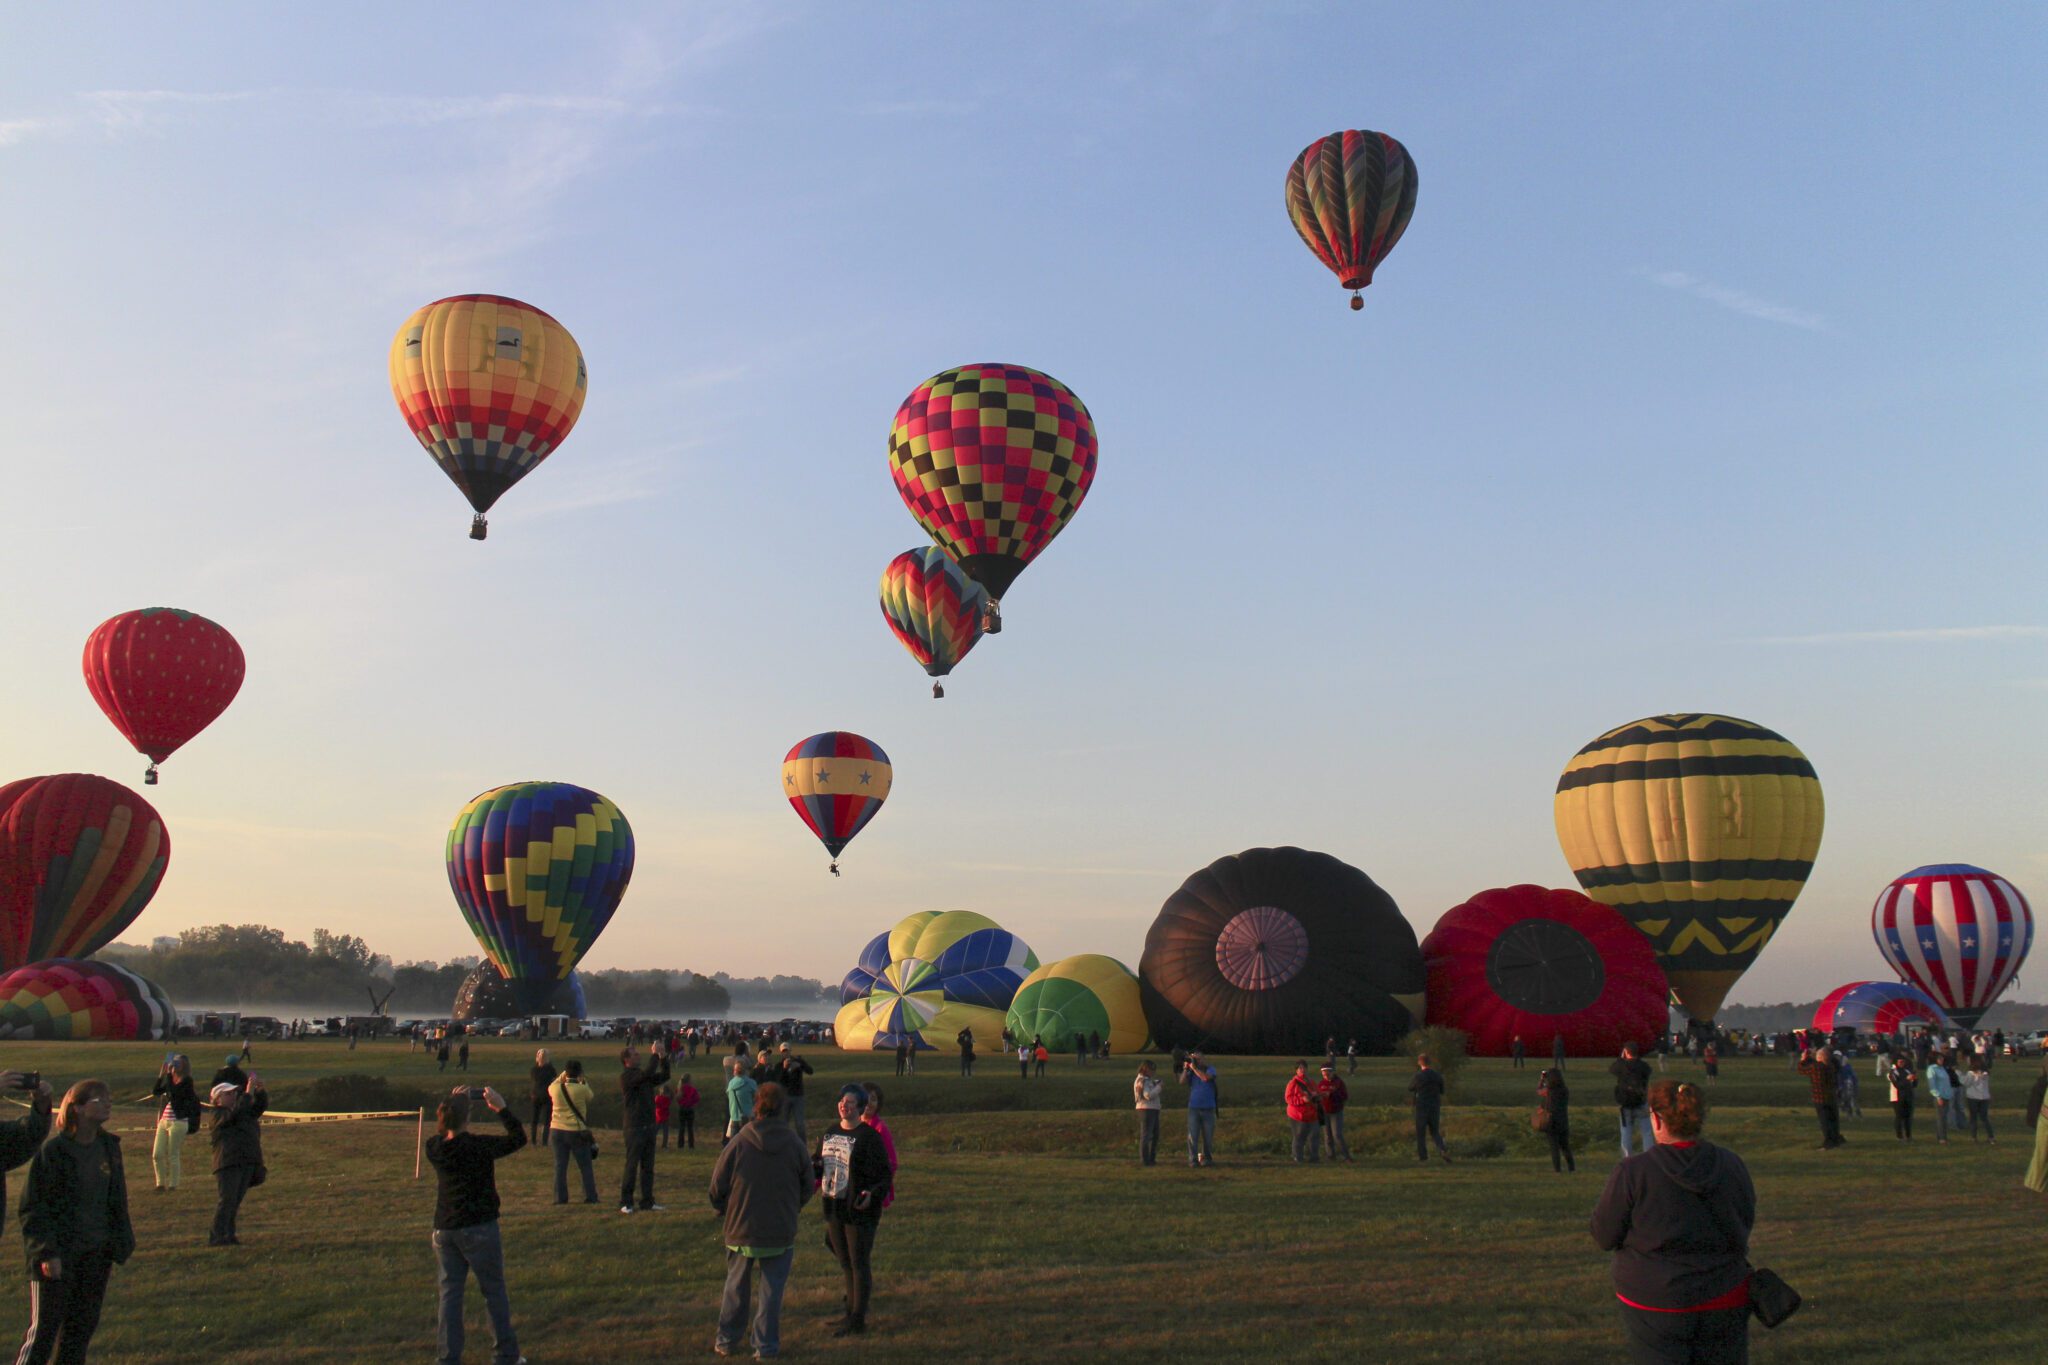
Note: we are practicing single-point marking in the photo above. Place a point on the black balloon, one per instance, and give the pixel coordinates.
(1274, 951)
(484, 994)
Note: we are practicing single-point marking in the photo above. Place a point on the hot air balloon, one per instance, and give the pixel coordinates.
(835, 782)
(1701, 829)
(1539, 964)
(485, 994)
(992, 460)
(934, 608)
(490, 386)
(1350, 195)
(538, 868)
(67, 1000)
(932, 975)
(1276, 949)
(1957, 932)
(79, 859)
(1878, 1007)
(161, 675)
(1084, 994)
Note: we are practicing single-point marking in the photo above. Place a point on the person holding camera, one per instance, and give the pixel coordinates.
(1145, 1094)
(852, 1170)
(237, 1137)
(466, 1237)
(1426, 1093)
(74, 1217)
(1631, 1096)
(1200, 1079)
(178, 1120)
(569, 1131)
(759, 1183)
(637, 1085)
(1822, 1074)
(794, 1069)
(19, 1138)
(541, 1080)
(1331, 1096)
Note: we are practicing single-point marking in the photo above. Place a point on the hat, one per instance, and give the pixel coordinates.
(224, 1088)
(1328, 1067)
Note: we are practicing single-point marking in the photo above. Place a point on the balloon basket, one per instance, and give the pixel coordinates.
(938, 690)
(478, 527)
(149, 777)
(1357, 302)
(992, 618)
(835, 869)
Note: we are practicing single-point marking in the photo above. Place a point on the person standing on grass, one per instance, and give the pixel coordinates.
(540, 1082)
(664, 1112)
(740, 1091)
(1200, 1079)
(569, 1131)
(1039, 1056)
(441, 1053)
(1303, 1114)
(1710, 1057)
(1631, 1095)
(794, 1069)
(1080, 1047)
(687, 1100)
(2037, 1169)
(1331, 1097)
(74, 1218)
(852, 1171)
(1554, 1098)
(237, 1137)
(1146, 1089)
(1903, 1084)
(19, 1138)
(1557, 1050)
(462, 1055)
(1351, 1055)
(965, 1039)
(1820, 1072)
(178, 1120)
(1943, 1090)
(1517, 1053)
(638, 1083)
(1977, 1097)
(1426, 1093)
(871, 1115)
(902, 1054)
(1846, 1100)
(466, 1237)
(1955, 1091)
(1678, 1218)
(759, 1183)
(1023, 1060)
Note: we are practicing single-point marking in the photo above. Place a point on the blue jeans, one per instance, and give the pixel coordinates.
(1636, 1120)
(1201, 1135)
(462, 1251)
(567, 1144)
(732, 1309)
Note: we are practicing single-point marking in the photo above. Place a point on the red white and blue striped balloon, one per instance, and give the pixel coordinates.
(1957, 932)
(1883, 1007)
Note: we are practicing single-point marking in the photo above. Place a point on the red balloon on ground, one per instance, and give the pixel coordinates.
(1540, 963)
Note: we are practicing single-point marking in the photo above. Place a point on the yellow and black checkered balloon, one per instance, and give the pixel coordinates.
(1701, 829)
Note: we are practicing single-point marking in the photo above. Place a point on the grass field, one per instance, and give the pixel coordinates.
(1024, 1227)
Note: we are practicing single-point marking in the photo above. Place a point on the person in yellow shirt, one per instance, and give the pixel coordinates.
(569, 1131)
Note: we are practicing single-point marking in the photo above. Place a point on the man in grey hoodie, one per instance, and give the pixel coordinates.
(762, 1178)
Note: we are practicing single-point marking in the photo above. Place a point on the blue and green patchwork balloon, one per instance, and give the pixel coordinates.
(539, 868)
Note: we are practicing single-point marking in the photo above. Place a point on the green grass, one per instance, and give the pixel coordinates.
(1024, 1227)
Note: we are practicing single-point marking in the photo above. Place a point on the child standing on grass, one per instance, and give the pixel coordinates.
(664, 1105)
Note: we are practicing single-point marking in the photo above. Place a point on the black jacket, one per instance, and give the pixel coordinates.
(794, 1069)
(637, 1085)
(1556, 1100)
(237, 1132)
(466, 1165)
(847, 1165)
(19, 1139)
(51, 1220)
(184, 1100)
(1631, 1082)
(1678, 1219)
(542, 1077)
(1426, 1091)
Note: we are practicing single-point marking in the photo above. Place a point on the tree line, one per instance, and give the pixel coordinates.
(254, 964)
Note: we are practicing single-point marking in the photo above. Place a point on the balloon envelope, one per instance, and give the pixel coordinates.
(80, 857)
(929, 977)
(1276, 949)
(538, 869)
(933, 607)
(993, 461)
(1701, 829)
(1957, 932)
(1087, 994)
(835, 783)
(64, 998)
(161, 675)
(1350, 196)
(1878, 1007)
(1540, 964)
(490, 386)
(484, 994)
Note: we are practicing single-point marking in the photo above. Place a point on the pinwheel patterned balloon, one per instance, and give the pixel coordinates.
(932, 975)
(72, 1001)
(161, 675)
(80, 857)
(539, 869)
(993, 461)
(835, 782)
(1350, 196)
(934, 608)
(490, 386)
(1879, 1007)
(1957, 932)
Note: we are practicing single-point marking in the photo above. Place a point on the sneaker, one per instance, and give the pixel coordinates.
(719, 1348)
(654, 1208)
(853, 1327)
(625, 1208)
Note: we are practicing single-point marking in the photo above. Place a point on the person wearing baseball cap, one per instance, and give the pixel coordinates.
(1331, 1094)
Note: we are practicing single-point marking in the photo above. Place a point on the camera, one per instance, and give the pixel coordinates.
(29, 1080)
(475, 1094)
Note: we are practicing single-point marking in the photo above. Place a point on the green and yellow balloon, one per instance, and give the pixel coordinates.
(1085, 994)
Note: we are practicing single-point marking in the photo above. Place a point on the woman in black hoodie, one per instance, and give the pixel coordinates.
(1678, 1218)
(74, 1216)
(1554, 1097)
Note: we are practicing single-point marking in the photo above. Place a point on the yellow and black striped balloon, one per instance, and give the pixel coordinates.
(1701, 829)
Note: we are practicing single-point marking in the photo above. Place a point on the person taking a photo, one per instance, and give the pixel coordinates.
(466, 1237)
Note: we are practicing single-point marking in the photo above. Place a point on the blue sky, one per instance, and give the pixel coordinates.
(1708, 377)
